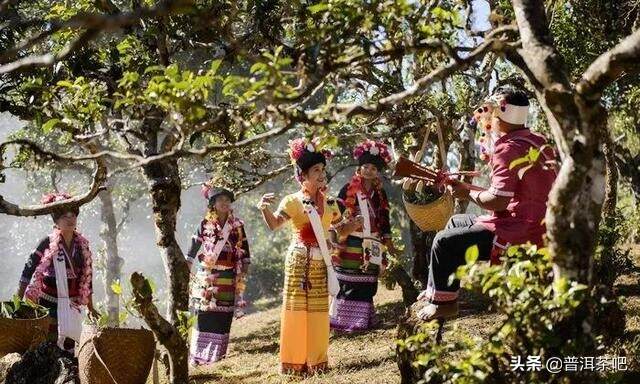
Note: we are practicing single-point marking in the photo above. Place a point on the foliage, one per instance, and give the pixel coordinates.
(427, 195)
(536, 304)
(21, 309)
(611, 259)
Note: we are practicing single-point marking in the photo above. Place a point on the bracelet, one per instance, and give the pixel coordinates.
(474, 195)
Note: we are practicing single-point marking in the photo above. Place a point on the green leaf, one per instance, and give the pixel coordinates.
(154, 68)
(65, 83)
(516, 162)
(215, 65)
(16, 302)
(258, 67)
(471, 254)
(316, 8)
(116, 287)
(49, 125)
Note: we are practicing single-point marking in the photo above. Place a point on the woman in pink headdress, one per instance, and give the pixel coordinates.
(57, 275)
(363, 257)
(221, 250)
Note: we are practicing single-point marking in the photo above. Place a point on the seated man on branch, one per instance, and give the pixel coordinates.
(522, 173)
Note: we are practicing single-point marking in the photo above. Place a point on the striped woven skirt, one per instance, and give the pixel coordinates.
(355, 310)
(304, 330)
(210, 336)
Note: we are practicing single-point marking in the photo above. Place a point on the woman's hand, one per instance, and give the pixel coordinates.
(263, 205)
(354, 224)
(265, 201)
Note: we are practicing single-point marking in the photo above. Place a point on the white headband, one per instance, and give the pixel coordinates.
(514, 114)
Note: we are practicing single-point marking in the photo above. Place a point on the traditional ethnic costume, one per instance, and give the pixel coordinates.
(309, 277)
(62, 278)
(363, 251)
(527, 186)
(222, 252)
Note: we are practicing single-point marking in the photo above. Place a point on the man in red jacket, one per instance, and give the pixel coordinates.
(517, 200)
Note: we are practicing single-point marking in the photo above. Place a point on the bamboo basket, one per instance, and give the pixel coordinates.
(115, 355)
(432, 216)
(18, 335)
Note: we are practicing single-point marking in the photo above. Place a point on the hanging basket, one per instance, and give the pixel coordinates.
(18, 335)
(115, 355)
(432, 216)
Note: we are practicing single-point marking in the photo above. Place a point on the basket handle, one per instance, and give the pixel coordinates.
(441, 146)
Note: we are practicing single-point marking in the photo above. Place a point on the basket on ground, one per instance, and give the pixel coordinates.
(115, 355)
(18, 335)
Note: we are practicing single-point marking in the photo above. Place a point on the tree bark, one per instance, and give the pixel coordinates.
(576, 122)
(166, 333)
(628, 168)
(109, 235)
(611, 180)
(575, 202)
(409, 291)
(467, 161)
(165, 188)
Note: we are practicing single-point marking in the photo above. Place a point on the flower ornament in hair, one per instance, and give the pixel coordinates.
(372, 148)
(496, 106)
(306, 153)
(54, 197)
(298, 147)
(207, 189)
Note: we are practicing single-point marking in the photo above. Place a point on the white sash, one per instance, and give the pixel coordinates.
(332, 280)
(368, 244)
(69, 317)
(217, 248)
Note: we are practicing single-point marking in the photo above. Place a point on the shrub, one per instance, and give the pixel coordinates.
(541, 309)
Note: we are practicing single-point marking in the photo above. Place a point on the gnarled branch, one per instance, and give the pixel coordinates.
(623, 58)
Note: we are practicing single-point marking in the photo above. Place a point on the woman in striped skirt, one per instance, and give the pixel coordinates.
(309, 275)
(362, 256)
(220, 247)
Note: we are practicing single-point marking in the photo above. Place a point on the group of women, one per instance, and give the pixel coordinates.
(338, 248)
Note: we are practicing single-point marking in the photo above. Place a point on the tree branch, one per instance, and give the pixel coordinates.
(538, 51)
(93, 25)
(99, 178)
(621, 59)
(491, 44)
(165, 332)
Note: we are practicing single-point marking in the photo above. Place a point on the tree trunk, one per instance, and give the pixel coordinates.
(109, 235)
(409, 325)
(409, 291)
(467, 161)
(165, 188)
(575, 201)
(611, 180)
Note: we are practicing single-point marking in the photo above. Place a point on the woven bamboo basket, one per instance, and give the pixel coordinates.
(115, 355)
(18, 335)
(432, 216)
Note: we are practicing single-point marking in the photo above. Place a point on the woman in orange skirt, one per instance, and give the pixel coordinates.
(309, 274)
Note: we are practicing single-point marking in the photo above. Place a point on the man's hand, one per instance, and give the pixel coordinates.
(458, 190)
